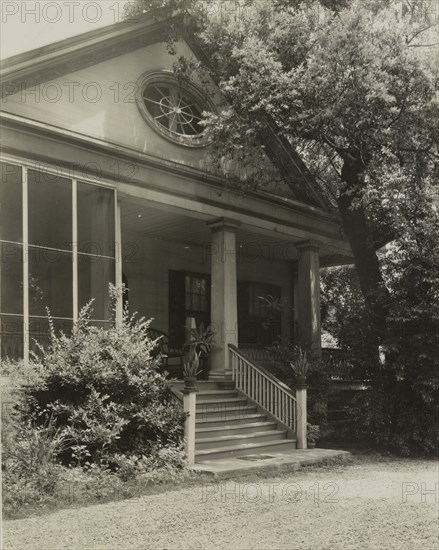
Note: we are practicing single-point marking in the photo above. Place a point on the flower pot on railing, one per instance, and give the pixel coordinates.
(300, 367)
(190, 382)
(191, 369)
(300, 382)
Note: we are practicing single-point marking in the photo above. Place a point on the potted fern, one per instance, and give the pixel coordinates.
(201, 341)
(300, 368)
(191, 368)
(312, 434)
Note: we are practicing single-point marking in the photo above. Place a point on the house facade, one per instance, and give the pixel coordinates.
(106, 178)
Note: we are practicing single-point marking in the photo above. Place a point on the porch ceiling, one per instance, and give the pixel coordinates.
(172, 224)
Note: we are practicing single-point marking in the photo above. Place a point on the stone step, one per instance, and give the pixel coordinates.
(201, 385)
(223, 429)
(232, 403)
(218, 420)
(228, 440)
(216, 395)
(226, 415)
(244, 449)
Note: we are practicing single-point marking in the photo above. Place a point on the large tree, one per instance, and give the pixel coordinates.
(342, 83)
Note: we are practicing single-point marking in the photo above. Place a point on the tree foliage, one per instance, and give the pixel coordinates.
(342, 83)
(401, 408)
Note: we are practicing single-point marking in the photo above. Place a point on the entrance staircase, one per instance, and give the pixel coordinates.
(230, 424)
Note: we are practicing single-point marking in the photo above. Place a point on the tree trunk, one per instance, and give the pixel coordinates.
(360, 239)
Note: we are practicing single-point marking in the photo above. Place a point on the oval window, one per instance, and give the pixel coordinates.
(174, 108)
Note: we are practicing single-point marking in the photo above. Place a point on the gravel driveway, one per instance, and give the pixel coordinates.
(368, 504)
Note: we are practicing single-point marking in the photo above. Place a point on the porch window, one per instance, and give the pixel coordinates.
(196, 298)
(11, 262)
(189, 296)
(57, 240)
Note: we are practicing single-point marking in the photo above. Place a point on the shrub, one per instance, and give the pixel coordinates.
(29, 459)
(104, 390)
(399, 420)
(399, 411)
(91, 413)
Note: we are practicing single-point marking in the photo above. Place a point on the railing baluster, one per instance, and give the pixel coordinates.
(279, 405)
(258, 386)
(243, 375)
(271, 398)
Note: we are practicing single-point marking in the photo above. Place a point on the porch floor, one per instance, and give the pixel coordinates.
(289, 460)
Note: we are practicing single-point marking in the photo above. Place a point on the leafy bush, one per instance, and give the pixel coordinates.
(29, 467)
(104, 390)
(345, 317)
(33, 477)
(400, 409)
(91, 413)
(398, 420)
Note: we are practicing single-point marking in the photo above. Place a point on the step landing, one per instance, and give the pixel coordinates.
(272, 461)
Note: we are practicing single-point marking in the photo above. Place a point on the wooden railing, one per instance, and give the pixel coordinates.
(262, 387)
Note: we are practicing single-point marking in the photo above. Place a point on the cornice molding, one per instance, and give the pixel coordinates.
(40, 129)
(81, 51)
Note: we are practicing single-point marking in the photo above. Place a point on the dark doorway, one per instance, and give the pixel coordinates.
(257, 324)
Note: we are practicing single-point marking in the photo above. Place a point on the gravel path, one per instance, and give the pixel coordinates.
(357, 506)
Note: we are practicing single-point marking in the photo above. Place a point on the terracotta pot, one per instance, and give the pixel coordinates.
(311, 445)
(190, 382)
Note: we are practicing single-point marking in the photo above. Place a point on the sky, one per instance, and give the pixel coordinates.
(29, 24)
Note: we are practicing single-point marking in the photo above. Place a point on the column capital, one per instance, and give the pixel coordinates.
(307, 245)
(224, 224)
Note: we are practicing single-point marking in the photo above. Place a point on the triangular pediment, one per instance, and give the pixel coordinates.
(89, 85)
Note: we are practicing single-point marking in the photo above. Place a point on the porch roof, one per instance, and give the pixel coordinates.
(190, 229)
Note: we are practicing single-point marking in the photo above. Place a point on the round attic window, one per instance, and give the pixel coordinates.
(174, 108)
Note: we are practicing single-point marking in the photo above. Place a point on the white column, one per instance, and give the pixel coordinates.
(224, 308)
(308, 298)
(189, 407)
